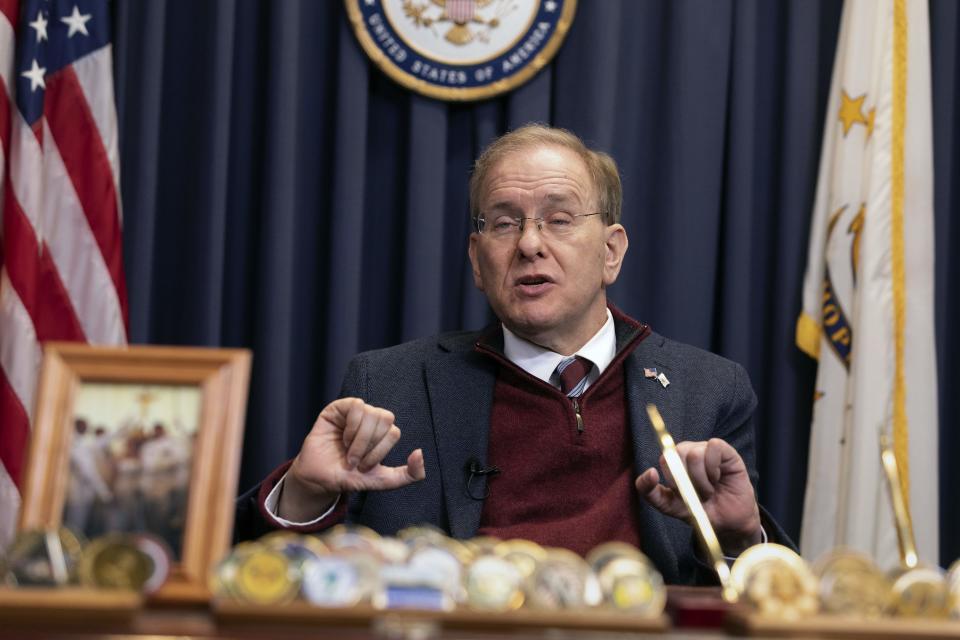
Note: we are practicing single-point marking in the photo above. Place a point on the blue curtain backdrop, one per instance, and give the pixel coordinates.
(282, 194)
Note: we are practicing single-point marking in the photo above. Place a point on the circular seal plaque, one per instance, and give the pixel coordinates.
(461, 49)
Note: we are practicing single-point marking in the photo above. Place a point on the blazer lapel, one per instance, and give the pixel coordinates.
(460, 386)
(642, 391)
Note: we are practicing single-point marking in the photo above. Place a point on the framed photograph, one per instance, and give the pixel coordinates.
(140, 439)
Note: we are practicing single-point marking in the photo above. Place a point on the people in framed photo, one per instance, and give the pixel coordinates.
(130, 460)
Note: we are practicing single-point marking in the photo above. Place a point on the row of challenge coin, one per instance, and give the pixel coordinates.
(424, 569)
(59, 557)
(780, 584)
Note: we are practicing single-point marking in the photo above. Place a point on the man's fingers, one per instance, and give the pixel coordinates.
(696, 469)
(661, 498)
(357, 440)
(379, 449)
(713, 459)
(333, 418)
(667, 476)
(415, 465)
(383, 426)
(396, 477)
(374, 425)
(336, 412)
(349, 417)
(647, 480)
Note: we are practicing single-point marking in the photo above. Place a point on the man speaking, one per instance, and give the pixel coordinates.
(535, 427)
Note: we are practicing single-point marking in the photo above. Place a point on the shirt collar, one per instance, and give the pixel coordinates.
(541, 363)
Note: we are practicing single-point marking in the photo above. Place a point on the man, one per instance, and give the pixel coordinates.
(504, 433)
(87, 486)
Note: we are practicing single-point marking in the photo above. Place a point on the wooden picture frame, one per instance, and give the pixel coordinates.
(220, 377)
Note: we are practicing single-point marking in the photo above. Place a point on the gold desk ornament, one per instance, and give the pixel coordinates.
(692, 500)
(776, 582)
(921, 592)
(953, 589)
(852, 583)
(918, 591)
(908, 546)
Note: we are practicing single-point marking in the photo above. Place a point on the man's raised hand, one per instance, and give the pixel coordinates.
(343, 452)
(720, 477)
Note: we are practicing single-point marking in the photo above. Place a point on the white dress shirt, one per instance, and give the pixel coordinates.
(542, 363)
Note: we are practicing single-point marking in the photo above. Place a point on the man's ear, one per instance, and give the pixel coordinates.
(616, 249)
(474, 261)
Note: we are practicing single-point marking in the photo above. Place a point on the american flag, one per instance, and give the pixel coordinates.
(61, 269)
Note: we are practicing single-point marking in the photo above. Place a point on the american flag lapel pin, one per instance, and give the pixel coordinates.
(649, 372)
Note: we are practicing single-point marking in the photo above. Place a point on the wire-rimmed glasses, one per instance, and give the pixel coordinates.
(555, 224)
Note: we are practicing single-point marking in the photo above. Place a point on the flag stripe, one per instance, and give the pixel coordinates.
(5, 144)
(35, 277)
(9, 10)
(30, 270)
(15, 433)
(96, 82)
(25, 162)
(7, 50)
(79, 260)
(20, 353)
(10, 502)
(85, 160)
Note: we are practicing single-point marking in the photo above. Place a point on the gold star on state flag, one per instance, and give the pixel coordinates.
(851, 111)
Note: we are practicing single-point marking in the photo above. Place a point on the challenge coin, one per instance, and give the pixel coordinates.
(493, 584)
(115, 562)
(632, 585)
(265, 576)
(333, 581)
(44, 558)
(852, 584)
(776, 581)
(921, 592)
(559, 581)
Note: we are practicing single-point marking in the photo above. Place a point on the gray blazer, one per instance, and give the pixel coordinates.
(441, 391)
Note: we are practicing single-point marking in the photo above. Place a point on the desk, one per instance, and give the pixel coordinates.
(82, 615)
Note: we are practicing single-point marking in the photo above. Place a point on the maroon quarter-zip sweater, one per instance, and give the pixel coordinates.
(557, 485)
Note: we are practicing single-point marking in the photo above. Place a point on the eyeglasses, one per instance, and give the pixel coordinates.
(556, 224)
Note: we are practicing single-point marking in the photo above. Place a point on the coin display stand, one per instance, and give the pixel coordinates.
(352, 577)
(231, 613)
(856, 600)
(744, 623)
(67, 606)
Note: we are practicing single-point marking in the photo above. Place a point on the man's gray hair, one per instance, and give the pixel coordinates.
(600, 167)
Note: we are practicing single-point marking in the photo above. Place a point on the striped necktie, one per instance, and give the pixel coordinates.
(573, 375)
